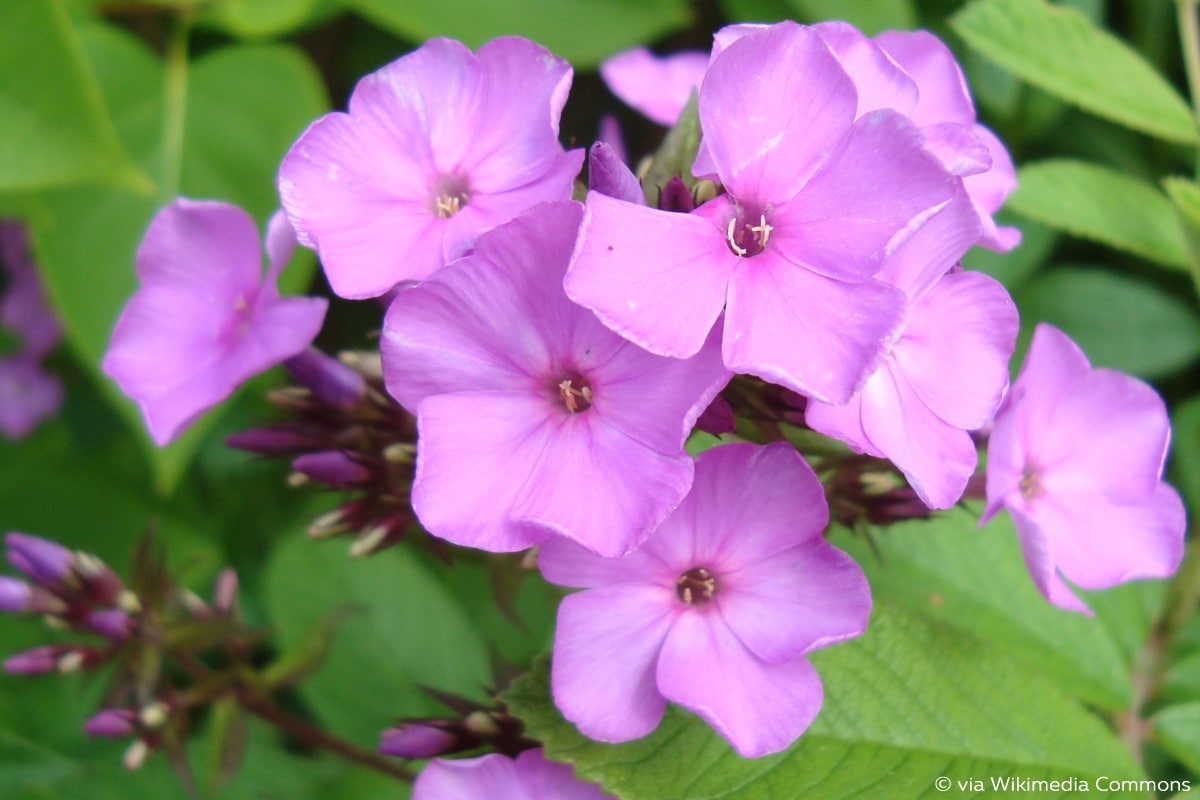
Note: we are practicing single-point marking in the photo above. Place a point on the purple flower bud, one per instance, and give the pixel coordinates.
(415, 741)
(15, 595)
(607, 174)
(610, 134)
(111, 723)
(39, 660)
(676, 196)
(330, 381)
(717, 418)
(111, 623)
(274, 440)
(332, 467)
(46, 562)
(225, 593)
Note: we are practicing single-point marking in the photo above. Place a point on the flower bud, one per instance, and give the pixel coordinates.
(275, 440)
(676, 196)
(15, 595)
(47, 563)
(330, 381)
(717, 418)
(415, 741)
(51, 658)
(332, 467)
(111, 623)
(110, 723)
(226, 591)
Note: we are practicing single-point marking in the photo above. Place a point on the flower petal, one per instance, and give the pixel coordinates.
(202, 246)
(759, 708)
(655, 277)
(565, 563)
(944, 93)
(795, 601)
(606, 647)
(543, 779)
(490, 775)
(932, 248)
(656, 86)
(812, 334)
(880, 82)
(599, 487)
(476, 453)
(1038, 552)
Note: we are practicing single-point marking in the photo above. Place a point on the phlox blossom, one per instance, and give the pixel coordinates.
(1076, 458)
(534, 419)
(436, 148)
(814, 200)
(656, 86)
(716, 611)
(945, 374)
(205, 318)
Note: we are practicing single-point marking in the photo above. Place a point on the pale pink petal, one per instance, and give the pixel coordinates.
(281, 243)
(655, 277)
(1039, 555)
(880, 82)
(491, 775)
(1099, 543)
(961, 152)
(606, 647)
(759, 708)
(937, 458)
(773, 105)
(600, 488)
(933, 248)
(657, 400)
(876, 181)
(796, 601)
(566, 563)
(1053, 367)
(812, 334)
(955, 349)
(221, 237)
(656, 86)
(944, 96)
(989, 189)
(844, 422)
(543, 779)
(475, 455)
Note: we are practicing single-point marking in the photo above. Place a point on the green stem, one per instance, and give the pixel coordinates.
(1189, 33)
(174, 106)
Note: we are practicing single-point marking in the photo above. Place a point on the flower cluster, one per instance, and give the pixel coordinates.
(557, 355)
(28, 394)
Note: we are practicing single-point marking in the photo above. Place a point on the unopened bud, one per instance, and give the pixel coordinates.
(675, 196)
(136, 755)
(329, 380)
(332, 467)
(154, 715)
(275, 440)
(297, 479)
(717, 418)
(365, 362)
(369, 540)
(331, 523)
(128, 602)
(110, 723)
(111, 623)
(47, 563)
(194, 603)
(71, 662)
(400, 453)
(226, 591)
(481, 724)
(415, 741)
(36, 661)
(703, 191)
(16, 596)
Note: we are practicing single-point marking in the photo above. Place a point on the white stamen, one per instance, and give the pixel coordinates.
(741, 251)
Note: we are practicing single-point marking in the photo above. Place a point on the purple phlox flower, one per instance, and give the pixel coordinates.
(534, 419)
(1076, 458)
(658, 87)
(23, 308)
(947, 117)
(946, 373)
(814, 202)
(714, 612)
(204, 318)
(530, 776)
(28, 395)
(436, 148)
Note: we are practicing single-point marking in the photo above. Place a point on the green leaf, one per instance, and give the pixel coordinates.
(756, 10)
(1185, 194)
(869, 16)
(407, 630)
(257, 18)
(581, 31)
(1185, 451)
(906, 703)
(949, 570)
(1016, 266)
(1182, 681)
(54, 129)
(1177, 729)
(676, 153)
(1101, 204)
(246, 104)
(1120, 322)
(1059, 50)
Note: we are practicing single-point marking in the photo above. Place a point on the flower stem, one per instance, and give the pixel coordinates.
(1189, 34)
(174, 105)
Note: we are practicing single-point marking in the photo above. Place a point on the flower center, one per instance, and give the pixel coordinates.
(450, 193)
(746, 235)
(1030, 485)
(696, 587)
(575, 394)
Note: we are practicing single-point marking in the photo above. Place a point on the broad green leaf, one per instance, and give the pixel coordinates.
(403, 629)
(869, 16)
(1101, 204)
(948, 569)
(245, 105)
(1016, 266)
(1182, 681)
(581, 31)
(1185, 451)
(906, 703)
(1120, 321)
(1059, 50)
(1185, 194)
(1177, 729)
(257, 18)
(54, 128)
(756, 10)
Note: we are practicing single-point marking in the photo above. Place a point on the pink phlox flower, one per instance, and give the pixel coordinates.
(946, 373)
(1076, 458)
(814, 202)
(947, 117)
(205, 318)
(530, 776)
(436, 148)
(715, 612)
(533, 418)
(658, 87)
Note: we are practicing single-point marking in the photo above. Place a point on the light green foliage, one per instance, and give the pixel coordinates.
(1059, 50)
(1178, 730)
